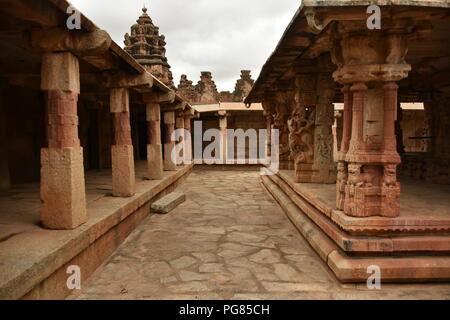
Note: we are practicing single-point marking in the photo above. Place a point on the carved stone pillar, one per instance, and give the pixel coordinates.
(371, 62)
(281, 117)
(169, 145)
(122, 154)
(302, 127)
(62, 171)
(154, 148)
(345, 144)
(324, 168)
(179, 124)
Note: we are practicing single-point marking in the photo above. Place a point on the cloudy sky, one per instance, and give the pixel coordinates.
(220, 36)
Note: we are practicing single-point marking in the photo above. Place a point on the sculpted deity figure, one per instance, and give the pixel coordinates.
(301, 127)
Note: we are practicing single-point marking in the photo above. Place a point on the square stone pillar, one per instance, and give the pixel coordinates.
(63, 193)
(188, 140)
(169, 145)
(154, 147)
(5, 181)
(122, 154)
(223, 125)
(324, 168)
(179, 124)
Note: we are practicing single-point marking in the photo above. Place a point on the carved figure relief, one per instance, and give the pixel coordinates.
(301, 137)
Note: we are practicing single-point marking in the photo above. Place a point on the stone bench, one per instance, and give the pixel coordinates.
(168, 203)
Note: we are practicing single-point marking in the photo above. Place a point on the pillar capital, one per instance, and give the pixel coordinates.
(366, 56)
(119, 100)
(60, 71)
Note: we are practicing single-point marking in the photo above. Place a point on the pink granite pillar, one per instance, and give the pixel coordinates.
(188, 140)
(154, 147)
(169, 145)
(357, 139)
(122, 154)
(342, 167)
(390, 109)
(62, 171)
(179, 124)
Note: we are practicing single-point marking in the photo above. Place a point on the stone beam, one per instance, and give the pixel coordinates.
(121, 80)
(79, 43)
(41, 12)
(159, 97)
(181, 106)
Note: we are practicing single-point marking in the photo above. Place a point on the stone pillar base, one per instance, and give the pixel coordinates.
(372, 191)
(123, 174)
(304, 173)
(63, 192)
(310, 173)
(155, 162)
(324, 174)
(169, 165)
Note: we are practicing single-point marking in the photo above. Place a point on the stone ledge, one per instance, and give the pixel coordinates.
(354, 269)
(407, 222)
(25, 265)
(168, 203)
(362, 244)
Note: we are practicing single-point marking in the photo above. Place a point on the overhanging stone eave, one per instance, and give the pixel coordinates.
(365, 3)
(322, 9)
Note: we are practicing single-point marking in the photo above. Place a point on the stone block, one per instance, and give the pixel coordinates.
(123, 174)
(119, 100)
(60, 71)
(155, 162)
(63, 193)
(168, 203)
(169, 165)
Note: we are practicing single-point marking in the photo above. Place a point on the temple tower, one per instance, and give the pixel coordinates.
(147, 46)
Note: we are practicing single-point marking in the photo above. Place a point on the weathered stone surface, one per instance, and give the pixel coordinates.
(123, 175)
(60, 71)
(155, 162)
(265, 256)
(168, 203)
(291, 270)
(63, 192)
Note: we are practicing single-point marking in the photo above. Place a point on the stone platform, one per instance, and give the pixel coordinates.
(33, 260)
(413, 247)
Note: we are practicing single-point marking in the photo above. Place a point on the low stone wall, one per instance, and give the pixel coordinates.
(401, 258)
(88, 245)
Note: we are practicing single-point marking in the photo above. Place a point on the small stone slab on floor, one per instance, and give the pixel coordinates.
(168, 203)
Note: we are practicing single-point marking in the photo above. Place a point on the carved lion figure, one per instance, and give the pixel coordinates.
(390, 176)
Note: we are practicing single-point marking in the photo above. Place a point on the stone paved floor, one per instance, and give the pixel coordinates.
(229, 240)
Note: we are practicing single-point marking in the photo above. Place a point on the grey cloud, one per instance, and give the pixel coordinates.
(223, 37)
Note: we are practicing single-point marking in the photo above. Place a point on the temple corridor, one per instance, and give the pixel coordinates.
(229, 240)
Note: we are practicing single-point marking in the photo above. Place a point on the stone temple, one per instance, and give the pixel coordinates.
(344, 172)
